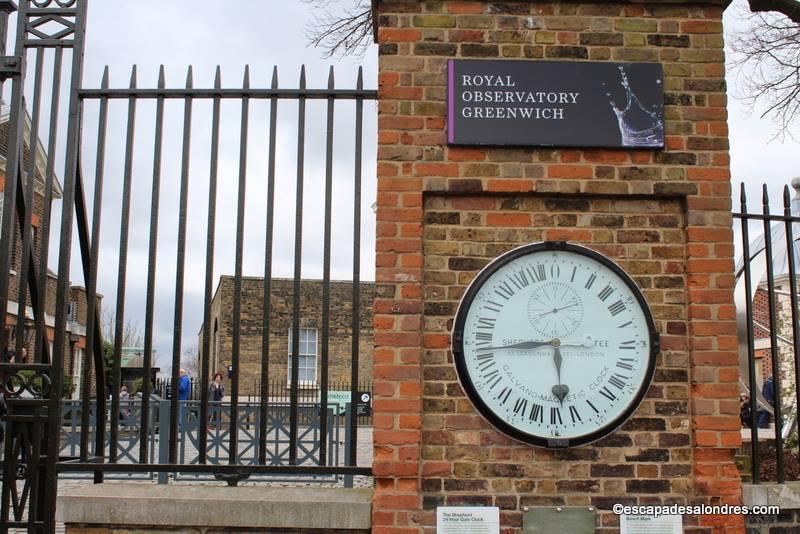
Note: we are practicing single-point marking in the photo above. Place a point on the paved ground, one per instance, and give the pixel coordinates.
(364, 456)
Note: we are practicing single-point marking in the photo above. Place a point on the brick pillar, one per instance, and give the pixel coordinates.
(444, 212)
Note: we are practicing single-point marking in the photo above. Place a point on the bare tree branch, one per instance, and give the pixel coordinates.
(767, 58)
(132, 335)
(346, 31)
(790, 8)
(191, 360)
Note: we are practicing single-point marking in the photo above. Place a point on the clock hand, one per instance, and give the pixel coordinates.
(587, 341)
(557, 359)
(555, 310)
(559, 390)
(524, 345)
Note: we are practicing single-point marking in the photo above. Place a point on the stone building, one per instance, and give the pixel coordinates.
(76, 315)
(280, 324)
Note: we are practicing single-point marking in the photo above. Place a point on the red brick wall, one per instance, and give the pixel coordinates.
(443, 212)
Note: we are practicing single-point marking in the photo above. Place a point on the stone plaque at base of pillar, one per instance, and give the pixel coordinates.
(549, 519)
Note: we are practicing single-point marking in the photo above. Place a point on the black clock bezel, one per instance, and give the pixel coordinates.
(476, 399)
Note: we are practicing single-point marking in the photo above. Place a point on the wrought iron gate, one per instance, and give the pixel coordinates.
(768, 319)
(43, 338)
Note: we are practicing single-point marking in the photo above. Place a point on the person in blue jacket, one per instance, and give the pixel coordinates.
(184, 392)
(184, 386)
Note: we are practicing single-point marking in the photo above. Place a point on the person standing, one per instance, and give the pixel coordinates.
(768, 391)
(184, 392)
(745, 415)
(184, 386)
(124, 404)
(216, 392)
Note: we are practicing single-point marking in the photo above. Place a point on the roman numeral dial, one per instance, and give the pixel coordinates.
(553, 344)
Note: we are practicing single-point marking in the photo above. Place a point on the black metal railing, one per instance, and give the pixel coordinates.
(280, 391)
(147, 174)
(769, 342)
(216, 426)
(189, 98)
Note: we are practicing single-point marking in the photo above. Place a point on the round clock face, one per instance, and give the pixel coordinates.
(554, 344)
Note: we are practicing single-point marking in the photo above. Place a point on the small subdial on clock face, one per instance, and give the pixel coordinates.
(555, 310)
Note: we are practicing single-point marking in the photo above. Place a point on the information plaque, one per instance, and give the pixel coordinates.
(559, 519)
(555, 103)
(651, 524)
(468, 520)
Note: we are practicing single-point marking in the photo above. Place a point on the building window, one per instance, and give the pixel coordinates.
(308, 357)
(78, 375)
(72, 311)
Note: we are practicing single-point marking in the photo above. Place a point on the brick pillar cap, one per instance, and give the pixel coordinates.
(376, 4)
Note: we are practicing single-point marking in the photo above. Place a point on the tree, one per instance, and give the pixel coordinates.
(790, 8)
(131, 337)
(767, 56)
(342, 31)
(131, 330)
(191, 361)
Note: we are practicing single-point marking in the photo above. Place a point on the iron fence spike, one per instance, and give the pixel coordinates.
(246, 81)
(787, 201)
(104, 82)
(360, 81)
(162, 82)
(133, 77)
(303, 77)
(330, 78)
(218, 78)
(189, 78)
(275, 77)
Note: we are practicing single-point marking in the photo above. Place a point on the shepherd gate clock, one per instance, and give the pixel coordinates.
(554, 344)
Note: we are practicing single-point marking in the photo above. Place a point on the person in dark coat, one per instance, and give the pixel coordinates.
(768, 391)
(216, 392)
(744, 410)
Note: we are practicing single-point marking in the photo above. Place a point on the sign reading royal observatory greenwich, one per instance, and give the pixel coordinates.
(555, 103)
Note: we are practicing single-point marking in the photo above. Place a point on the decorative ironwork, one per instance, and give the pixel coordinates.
(218, 432)
(59, 3)
(36, 27)
(51, 22)
(35, 383)
(24, 462)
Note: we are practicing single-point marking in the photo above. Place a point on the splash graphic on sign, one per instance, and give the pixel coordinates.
(638, 125)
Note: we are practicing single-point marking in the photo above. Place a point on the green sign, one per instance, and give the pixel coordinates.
(338, 400)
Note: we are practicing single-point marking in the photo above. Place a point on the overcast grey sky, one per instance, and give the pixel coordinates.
(205, 34)
(262, 33)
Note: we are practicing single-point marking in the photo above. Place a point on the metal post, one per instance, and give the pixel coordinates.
(348, 442)
(164, 428)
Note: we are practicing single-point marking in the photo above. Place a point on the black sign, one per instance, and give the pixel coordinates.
(555, 103)
(364, 403)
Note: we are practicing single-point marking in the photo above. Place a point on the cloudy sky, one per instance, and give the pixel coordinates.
(204, 34)
(261, 34)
